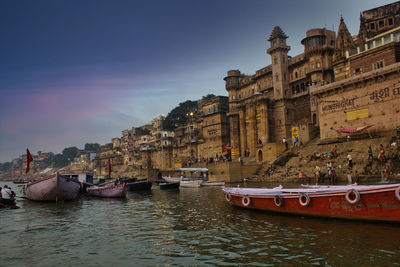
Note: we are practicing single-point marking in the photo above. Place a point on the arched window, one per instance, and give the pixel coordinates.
(314, 119)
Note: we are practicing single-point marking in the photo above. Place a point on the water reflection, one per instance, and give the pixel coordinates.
(191, 226)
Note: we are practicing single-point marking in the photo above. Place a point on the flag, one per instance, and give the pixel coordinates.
(109, 168)
(29, 159)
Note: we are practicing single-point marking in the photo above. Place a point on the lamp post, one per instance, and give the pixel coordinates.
(190, 115)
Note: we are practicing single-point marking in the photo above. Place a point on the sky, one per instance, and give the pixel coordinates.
(81, 71)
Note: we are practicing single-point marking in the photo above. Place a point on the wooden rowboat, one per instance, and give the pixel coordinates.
(56, 187)
(109, 190)
(372, 202)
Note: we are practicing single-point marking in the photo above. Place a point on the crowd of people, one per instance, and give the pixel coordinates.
(352, 175)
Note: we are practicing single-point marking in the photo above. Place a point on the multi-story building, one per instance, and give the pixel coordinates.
(366, 90)
(214, 132)
(274, 103)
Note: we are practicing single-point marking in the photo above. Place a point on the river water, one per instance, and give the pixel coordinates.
(188, 227)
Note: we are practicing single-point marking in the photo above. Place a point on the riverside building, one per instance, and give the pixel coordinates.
(338, 81)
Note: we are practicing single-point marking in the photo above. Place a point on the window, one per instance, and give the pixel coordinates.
(277, 77)
(390, 21)
(372, 26)
(378, 65)
(295, 74)
(381, 24)
(275, 60)
(283, 59)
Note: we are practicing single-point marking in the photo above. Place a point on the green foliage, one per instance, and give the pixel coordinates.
(178, 116)
(208, 96)
(70, 153)
(92, 147)
(5, 167)
(59, 161)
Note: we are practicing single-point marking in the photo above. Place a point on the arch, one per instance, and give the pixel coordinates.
(314, 119)
(260, 155)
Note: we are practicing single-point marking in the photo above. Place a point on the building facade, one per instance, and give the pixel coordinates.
(274, 103)
(366, 90)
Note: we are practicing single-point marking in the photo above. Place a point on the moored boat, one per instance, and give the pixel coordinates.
(171, 179)
(213, 183)
(194, 183)
(108, 190)
(372, 202)
(139, 185)
(56, 187)
(169, 185)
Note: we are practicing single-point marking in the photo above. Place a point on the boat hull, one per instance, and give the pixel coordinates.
(171, 185)
(213, 183)
(109, 191)
(191, 183)
(140, 185)
(54, 188)
(376, 204)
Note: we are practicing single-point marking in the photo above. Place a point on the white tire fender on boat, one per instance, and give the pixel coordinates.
(245, 201)
(350, 193)
(304, 199)
(228, 197)
(397, 193)
(278, 200)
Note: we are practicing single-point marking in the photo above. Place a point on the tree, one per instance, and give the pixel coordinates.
(178, 116)
(5, 167)
(208, 96)
(60, 161)
(92, 147)
(70, 153)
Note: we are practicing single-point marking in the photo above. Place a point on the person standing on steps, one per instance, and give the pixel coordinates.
(370, 155)
(349, 178)
(284, 141)
(350, 161)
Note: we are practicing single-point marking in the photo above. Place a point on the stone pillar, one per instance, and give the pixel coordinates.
(251, 129)
(235, 135)
(243, 132)
(264, 123)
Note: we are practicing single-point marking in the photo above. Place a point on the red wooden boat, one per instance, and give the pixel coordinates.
(372, 202)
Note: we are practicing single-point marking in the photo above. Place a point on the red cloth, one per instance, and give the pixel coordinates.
(29, 159)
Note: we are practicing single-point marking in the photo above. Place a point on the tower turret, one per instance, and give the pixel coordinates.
(278, 51)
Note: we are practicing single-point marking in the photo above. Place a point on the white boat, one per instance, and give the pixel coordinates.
(213, 183)
(172, 179)
(109, 190)
(190, 182)
(56, 187)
